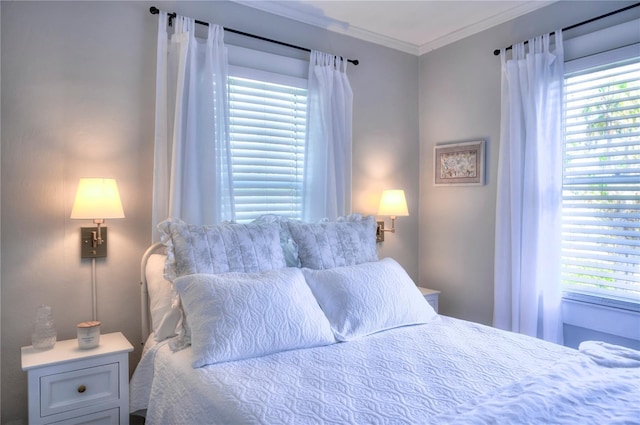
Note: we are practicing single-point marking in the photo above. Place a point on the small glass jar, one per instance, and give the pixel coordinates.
(44, 329)
(88, 334)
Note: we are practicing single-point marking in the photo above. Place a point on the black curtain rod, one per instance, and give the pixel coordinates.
(154, 11)
(579, 24)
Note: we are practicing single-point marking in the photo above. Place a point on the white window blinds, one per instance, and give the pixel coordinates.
(601, 182)
(267, 131)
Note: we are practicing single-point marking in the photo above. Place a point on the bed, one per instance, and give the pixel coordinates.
(298, 323)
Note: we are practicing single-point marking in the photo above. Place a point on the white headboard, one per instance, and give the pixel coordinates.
(156, 248)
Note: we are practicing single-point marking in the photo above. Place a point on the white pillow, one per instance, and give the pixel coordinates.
(367, 298)
(159, 291)
(164, 303)
(236, 316)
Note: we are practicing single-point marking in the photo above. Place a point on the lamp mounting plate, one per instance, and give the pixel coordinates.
(380, 231)
(89, 249)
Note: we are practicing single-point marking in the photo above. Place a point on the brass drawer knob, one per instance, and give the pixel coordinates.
(82, 388)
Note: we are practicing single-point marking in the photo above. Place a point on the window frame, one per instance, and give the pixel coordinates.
(571, 68)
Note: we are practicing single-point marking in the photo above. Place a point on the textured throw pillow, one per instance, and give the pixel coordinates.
(335, 244)
(367, 298)
(236, 316)
(221, 248)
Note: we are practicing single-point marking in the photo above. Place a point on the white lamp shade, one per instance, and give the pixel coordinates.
(393, 203)
(97, 199)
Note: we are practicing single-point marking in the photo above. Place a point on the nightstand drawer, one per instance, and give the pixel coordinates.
(62, 392)
(107, 417)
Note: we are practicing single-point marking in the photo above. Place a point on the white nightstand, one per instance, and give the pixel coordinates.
(431, 295)
(72, 386)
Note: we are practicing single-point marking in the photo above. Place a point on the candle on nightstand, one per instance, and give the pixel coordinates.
(88, 334)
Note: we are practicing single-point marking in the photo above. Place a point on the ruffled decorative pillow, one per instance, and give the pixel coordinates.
(220, 248)
(345, 242)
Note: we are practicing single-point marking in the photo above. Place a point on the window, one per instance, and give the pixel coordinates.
(267, 131)
(601, 176)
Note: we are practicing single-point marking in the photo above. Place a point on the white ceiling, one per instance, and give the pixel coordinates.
(414, 27)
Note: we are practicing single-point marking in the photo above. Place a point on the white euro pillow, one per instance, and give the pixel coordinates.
(366, 298)
(235, 316)
(159, 291)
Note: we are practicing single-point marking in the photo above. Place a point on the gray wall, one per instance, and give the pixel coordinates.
(76, 101)
(460, 101)
(78, 81)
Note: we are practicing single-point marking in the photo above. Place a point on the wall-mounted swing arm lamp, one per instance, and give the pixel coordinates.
(96, 199)
(392, 203)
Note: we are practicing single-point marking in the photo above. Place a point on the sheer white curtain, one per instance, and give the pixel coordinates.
(327, 178)
(192, 161)
(527, 283)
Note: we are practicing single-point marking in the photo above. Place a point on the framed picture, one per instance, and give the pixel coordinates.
(459, 164)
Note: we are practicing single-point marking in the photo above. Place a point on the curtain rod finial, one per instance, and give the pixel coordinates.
(154, 10)
(496, 52)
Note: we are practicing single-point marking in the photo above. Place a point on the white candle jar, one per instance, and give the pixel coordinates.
(88, 334)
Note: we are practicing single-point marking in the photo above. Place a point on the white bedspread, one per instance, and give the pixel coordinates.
(406, 375)
(580, 391)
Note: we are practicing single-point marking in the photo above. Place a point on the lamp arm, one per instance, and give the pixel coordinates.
(97, 236)
(393, 225)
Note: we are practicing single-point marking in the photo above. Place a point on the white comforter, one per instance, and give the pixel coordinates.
(449, 371)
(581, 391)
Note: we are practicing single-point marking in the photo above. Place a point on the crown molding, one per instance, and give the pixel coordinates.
(376, 38)
(286, 11)
(517, 11)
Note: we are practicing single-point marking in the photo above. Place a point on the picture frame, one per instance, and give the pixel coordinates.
(459, 164)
